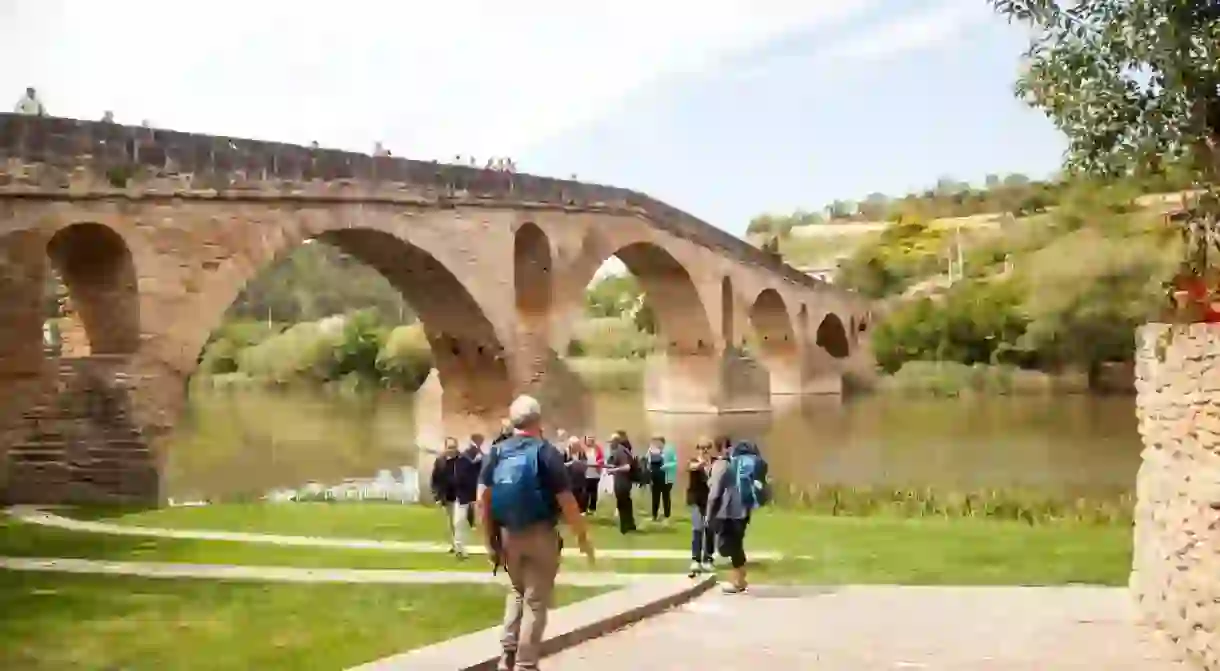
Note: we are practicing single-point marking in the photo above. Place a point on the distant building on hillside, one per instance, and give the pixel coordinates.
(822, 271)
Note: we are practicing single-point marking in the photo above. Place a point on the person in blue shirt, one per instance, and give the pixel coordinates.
(524, 489)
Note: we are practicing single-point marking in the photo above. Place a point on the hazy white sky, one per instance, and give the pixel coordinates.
(664, 96)
(431, 79)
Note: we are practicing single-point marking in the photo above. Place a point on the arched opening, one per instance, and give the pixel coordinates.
(727, 309)
(772, 325)
(310, 375)
(74, 316)
(832, 337)
(92, 294)
(532, 271)
(642, 304)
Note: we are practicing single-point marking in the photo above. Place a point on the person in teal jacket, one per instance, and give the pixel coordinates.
(662, 473)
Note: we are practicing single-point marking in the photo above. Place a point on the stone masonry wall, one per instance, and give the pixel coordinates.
(77, 442)
(53, 148)
(1175, 574)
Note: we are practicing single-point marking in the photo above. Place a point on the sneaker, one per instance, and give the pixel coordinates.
(708, 566)
(452, 550)
(508, 660)
(730, 588)
(695, 568)
(461, 555)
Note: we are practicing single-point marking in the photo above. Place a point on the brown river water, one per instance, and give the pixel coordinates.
(239, 443)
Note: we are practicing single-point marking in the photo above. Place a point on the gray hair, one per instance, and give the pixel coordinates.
(524, 411)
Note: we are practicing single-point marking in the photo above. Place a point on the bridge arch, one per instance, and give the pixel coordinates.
(832, 336)
(728, 312)
(532, 271)
(772, 325)
(97, 268)
(468, 353)
(682, 323)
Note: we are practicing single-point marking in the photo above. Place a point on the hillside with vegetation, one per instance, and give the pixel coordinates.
(1056, 285)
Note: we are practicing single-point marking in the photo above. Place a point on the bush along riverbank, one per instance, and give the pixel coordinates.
(358, 351)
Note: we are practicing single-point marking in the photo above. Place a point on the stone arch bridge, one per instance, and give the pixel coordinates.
(155, 232)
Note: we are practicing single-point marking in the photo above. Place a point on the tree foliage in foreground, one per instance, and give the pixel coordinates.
(1133, 84)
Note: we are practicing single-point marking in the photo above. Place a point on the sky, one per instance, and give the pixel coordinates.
(724, 108)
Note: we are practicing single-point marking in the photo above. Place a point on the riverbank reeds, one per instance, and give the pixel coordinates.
(951, 379)
(1032, 506)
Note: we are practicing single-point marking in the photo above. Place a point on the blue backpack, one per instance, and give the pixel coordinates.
(518, 494)
(750, 476)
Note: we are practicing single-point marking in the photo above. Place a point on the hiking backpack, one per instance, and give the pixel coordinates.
(750, 476)
(518, 494)
(640, 470)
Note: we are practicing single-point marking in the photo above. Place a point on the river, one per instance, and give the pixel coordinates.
(239, 443)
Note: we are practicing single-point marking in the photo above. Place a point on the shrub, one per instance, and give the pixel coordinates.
(405, 359)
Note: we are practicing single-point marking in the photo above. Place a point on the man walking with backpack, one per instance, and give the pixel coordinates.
(523, 491)
(736, 488)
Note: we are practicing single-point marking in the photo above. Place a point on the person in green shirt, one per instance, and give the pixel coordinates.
(662, 473)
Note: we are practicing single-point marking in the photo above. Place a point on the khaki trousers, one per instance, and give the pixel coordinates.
(531, 559)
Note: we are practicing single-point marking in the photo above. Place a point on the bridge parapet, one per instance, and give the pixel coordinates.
(56, 153)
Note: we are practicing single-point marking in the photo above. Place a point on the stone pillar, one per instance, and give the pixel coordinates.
(1175, 574)
(24, 379)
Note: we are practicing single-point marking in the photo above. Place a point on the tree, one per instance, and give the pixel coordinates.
(1134, 84)
(763, 223)
(875, 206)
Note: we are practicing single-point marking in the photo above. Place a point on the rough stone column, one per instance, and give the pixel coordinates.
(542, 373)
(1175, 574)
(23, 377)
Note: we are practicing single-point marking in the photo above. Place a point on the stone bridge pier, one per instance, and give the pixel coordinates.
(155, 233)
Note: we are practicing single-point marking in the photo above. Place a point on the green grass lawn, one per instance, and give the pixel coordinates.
(58, 622)
(18, 539)
(817, 549)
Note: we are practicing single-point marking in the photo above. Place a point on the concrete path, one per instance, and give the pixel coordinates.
(876, 628)
(308, 575)
(36, 516)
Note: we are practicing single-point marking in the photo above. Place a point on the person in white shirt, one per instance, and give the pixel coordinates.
(30, 105)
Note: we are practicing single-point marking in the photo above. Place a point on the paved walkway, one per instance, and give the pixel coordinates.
(876, 628)
(308, 575)
(36, 516)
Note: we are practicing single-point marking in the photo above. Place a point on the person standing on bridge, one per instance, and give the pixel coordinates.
(523, 491)
(29, 104)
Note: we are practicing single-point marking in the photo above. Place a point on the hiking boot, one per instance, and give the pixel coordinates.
(730, 588)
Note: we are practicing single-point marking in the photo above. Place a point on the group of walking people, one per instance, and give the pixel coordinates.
(517, 488)
(616, 470)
